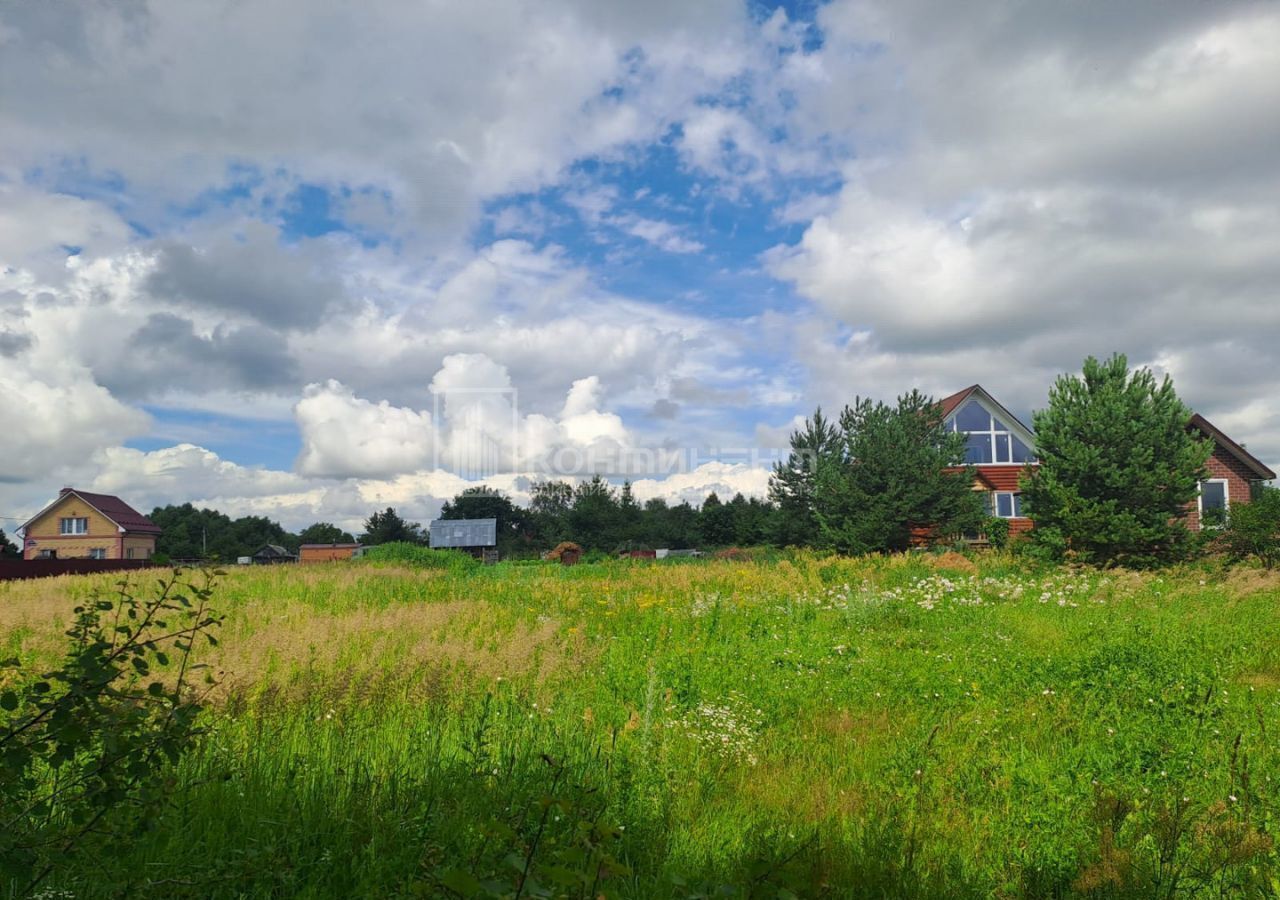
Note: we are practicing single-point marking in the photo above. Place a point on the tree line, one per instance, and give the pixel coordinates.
(1117, 471)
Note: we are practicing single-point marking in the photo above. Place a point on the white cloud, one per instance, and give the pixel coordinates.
(344, 436)
(1037, 185)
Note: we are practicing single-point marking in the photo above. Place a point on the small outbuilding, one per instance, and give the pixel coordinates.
(311, 553)
(478, 537)
(273, 554)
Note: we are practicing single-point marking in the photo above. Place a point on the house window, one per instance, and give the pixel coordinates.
(1214, 502)
(74, 526)
(98, 553)
(47, 554)
(990, 440)
(128, 554)
(1008, 504)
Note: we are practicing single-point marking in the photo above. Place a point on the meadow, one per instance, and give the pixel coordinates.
(790, 726)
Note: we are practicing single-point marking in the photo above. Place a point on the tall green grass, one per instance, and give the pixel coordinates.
(818, 726)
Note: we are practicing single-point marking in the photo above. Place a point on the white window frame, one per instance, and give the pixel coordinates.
(1013, 504)
(68, 525)
(991, 433)
(98, 553)
(1226, 499)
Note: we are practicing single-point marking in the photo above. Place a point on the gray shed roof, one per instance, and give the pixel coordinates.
(464, 533)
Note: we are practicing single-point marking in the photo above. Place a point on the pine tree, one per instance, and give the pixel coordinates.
(387, 527)
(792, 485)
(899, 475)
(1118, 467)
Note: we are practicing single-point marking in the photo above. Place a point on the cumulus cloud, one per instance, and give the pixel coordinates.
(344, 436)
(1040, 185)
(50, 424)
(249, 274)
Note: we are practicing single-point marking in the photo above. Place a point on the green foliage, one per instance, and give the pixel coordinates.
(1253, 531)
(190, 533)
(88, 747)
(997, 531)
(898, 473)
(793, 485)
(405, 553)
(1117, 467)
(324, 533)
(8, 549)
(811, 726)
(387, 527)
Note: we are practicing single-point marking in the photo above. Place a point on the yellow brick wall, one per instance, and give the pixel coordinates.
(142, 547)
(77, 547)
(45, 531)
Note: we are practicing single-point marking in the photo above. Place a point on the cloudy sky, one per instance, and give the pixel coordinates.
(308, 259)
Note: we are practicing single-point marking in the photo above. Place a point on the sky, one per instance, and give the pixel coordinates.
(308, 260)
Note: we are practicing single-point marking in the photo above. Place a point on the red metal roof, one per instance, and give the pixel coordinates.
(949, 404)
(117, 511)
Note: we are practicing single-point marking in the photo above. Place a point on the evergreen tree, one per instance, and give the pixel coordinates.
(594, 519)
(387, 527)
(681, 527)
(794, 482)
(325, 533)
(899, 475)
(715, 522)
(1117, 467)
(549, 506)
(8, 549)
(630, 518)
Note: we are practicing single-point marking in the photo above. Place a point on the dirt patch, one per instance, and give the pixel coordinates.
(954, 562)
(1242, 582)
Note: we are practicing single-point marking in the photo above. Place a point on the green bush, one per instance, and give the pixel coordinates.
(997, 532)
(405, 553)
(88, 749)
(1254, 529)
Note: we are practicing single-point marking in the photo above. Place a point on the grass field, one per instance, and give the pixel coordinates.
(823, 727)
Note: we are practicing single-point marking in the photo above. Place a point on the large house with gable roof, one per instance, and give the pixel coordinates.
(1001, 449)
(82, 525)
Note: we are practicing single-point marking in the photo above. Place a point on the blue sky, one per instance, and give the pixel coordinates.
(297, 261)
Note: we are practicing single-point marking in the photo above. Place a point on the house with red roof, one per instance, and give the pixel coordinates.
(999, 447)
(82, 525)
(1002, 449)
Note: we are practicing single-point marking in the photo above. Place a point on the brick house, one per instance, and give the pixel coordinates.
(81, 525)
(1234, 474)
(310, 553)
(1001, 449)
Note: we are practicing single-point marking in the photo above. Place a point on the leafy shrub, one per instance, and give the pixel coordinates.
(1254, 529)
(405, 553)
(86, 748)
(997, 531)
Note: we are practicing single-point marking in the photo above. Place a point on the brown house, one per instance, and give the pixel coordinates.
(1234, 475)
(999, 447)
(309, 553)
(81, 525)
(1001, 450)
